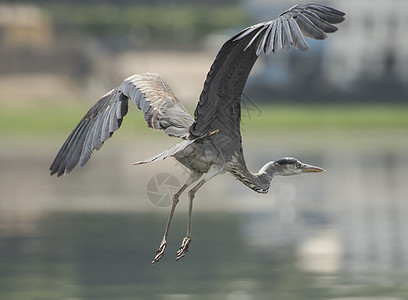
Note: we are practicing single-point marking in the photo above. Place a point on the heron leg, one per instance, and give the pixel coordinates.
(194, 176)
(163, 244)
(186, 241)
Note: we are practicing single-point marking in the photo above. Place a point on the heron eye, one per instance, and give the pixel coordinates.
(298, 165)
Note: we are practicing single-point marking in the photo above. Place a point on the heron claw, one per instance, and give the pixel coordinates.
(183, 248)
(160, 252)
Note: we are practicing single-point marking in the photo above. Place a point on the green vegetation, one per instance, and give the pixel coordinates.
(330, 117)
(48, 120)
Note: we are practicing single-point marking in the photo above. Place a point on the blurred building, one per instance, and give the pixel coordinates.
(372, 44)
(24, 25)
(366, 60)
(31, 49)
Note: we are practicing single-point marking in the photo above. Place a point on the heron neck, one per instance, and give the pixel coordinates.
(260, 181)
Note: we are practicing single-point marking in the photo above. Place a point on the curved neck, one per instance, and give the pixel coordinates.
(260, 181)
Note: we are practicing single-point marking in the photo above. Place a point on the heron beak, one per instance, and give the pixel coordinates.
(311, 169)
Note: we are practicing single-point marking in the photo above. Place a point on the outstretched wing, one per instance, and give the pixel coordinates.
(161, 109)
(219, 106)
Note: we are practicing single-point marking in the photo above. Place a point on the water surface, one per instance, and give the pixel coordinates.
(92, 234)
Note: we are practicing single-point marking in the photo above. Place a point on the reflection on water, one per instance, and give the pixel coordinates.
(93, 234)
(108, 255)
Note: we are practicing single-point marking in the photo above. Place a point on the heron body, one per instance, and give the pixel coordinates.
(211, 141)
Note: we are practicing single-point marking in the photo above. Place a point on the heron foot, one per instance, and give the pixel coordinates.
(160, 252)
(183, 248)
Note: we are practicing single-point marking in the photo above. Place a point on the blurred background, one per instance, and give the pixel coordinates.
(92, 234)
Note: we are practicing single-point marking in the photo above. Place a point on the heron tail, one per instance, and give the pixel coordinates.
(166, 153)
(175, 149)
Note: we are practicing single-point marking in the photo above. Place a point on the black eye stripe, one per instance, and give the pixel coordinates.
(286, 161)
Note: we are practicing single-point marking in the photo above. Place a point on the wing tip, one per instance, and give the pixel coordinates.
(55, 170)
(140, 163)
(58, 172)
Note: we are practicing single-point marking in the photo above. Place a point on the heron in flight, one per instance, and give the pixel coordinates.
(211, 141)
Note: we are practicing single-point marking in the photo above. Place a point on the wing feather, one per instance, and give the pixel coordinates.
(320, 23)
(254, 37)
(286, 36)
(161, 109)
(309, 29)
(264, 40)
(88, 145)
(269, 44)
(326, 13)
(298, 39)
(277, 45)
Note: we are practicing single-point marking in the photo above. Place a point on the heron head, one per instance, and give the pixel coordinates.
(291, 166)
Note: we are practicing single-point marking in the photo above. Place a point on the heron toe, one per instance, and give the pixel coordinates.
(160, 252)
(183, 248)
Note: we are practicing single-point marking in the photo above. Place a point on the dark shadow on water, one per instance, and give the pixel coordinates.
(108, 256)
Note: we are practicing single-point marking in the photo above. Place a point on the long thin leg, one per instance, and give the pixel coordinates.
(160, 252)
(163, 244)
(191, 195)
(186, 241)
(214, 170)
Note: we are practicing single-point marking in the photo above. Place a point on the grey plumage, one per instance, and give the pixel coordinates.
(212, 142)
(161, 109)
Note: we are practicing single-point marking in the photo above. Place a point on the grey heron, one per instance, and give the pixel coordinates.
(211, 141)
